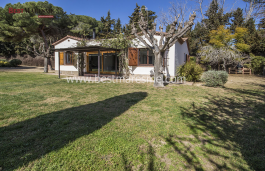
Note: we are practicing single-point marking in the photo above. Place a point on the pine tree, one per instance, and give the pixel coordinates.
(134, 18)
(262, 23)
(19, 26)
(215, 18)
(151, 16)
(237, 19)
(108, 24)
(117, 26)
(252, 37)
(82, 26)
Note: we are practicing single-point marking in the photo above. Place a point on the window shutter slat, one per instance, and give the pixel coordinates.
(61, 58)
(133, 56)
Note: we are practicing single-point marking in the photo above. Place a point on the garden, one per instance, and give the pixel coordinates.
(49, 124)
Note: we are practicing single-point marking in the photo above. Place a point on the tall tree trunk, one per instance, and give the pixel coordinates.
(158, 70)
(45, 51)
(45, 64)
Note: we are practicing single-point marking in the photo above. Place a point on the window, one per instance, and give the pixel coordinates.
(69, 58)
(93, 63)
(109, 62)
(146, 57)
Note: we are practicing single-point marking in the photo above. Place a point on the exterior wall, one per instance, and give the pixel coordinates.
(181, 50)
(141, 70)
(171, 62)
(175, 58)
(169, 70)
(65, 44)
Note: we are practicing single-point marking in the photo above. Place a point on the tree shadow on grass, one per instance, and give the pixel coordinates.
(224, 124)
(28, 140)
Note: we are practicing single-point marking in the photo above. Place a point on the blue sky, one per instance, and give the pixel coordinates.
(118, 8)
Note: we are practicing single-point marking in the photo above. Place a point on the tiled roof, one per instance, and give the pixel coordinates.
(66, 37)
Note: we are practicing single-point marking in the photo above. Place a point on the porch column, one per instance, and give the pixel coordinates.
(59, 74)
(115, 64)
(98, 65)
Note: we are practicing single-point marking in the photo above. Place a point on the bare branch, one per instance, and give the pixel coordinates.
(249, 10)
(143, 26)
(134, 32)
(173, 38)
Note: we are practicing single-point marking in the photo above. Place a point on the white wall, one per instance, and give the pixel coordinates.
(141, 70)
(181, 51)
(169, 71)
(175, 57)
(64, 44)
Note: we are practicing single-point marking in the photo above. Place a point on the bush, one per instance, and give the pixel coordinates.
(4, 63)
(257, 63)
(191, 71)
(214, 78)
(15, 62)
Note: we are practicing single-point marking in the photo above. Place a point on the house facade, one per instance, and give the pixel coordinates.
(141, 60)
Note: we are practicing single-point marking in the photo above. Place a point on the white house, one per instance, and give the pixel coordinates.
(141, 60)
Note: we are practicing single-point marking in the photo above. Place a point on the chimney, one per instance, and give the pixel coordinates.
(94, 34)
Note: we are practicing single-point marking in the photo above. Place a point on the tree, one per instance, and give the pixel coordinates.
(221, 37)
(83, 26)
(135, 18)
(239, 39)
(197, 37)
(255, 9)
(262, 23)
(225, 56)
(18, 26)
(225, 48)
(237, 19)
(160, 47)
(107, 24)
(117, 26)
(215, 17)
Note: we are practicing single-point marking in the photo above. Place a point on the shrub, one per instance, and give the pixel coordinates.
(193, 58)
(257, 63)
(15, 62)
(4, 63)
(214, 78)
(191, 71)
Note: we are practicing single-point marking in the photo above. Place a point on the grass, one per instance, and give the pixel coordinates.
(49, 124)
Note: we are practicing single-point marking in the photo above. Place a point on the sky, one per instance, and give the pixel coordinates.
(121, 8)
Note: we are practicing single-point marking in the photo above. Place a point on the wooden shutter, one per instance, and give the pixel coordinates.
(61, 58)
(133, 56)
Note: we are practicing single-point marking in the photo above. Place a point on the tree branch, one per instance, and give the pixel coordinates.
(134, 32)
(172, 38)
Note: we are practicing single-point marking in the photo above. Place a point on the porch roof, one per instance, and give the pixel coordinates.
(85, 49)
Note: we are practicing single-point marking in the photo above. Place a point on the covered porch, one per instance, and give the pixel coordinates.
(98, 60)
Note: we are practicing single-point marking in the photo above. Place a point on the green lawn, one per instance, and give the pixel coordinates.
(49, 124)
